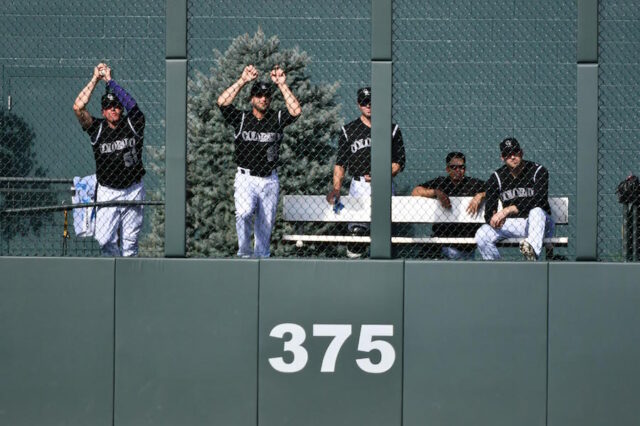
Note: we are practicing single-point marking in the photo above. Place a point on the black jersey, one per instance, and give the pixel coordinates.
(118, 152)
(257, 142)
(528, 190)
(466, 188)
(354, 148)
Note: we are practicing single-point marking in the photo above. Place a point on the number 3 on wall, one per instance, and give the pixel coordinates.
(340, 334)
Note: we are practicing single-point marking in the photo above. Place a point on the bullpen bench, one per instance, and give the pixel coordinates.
(404, 209)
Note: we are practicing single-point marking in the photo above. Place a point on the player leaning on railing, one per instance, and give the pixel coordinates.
(117, 142)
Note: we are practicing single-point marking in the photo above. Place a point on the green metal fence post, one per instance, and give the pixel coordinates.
(176, 129)
(587, 152)
(381, 82)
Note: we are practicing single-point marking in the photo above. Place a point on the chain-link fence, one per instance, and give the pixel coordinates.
(618, 149)
(467, 76)
(50, 153)
(270, 147)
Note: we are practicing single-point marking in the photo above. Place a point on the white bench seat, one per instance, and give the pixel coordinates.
(405, 209)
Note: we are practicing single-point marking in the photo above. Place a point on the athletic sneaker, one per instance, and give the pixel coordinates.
(527, 251)
(353, 255)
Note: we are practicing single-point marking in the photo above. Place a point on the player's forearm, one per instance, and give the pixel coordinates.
(123, 96)
(84, 96)
(338, 175)
(395, 169)
(293, 106)
(227, 97)
(421, 191)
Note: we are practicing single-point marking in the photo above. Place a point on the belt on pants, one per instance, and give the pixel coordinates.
(244, 171)
(360, 178)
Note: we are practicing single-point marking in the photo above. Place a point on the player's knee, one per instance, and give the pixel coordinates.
(484, 235)
(244, 215)
(537, 212)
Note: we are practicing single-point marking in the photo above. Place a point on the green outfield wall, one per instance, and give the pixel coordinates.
(290, 342)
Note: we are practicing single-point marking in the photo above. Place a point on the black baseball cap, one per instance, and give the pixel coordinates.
(109, 100)
(364, 96)
(260, 88)
(509, 146)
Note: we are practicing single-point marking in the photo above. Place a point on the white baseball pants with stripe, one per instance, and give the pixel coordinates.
(535, 228)
(255, 197)
(361, 188)
(121, 222)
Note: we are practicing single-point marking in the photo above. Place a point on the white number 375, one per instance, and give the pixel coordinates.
(340, 334)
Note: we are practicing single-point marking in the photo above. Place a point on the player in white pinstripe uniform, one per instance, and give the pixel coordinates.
(523, 188)
(117, 142)
(258, 134)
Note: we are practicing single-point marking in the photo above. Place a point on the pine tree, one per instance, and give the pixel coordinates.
(305, 165)
(18, 160)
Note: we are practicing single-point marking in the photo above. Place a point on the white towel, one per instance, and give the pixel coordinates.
(84, 219)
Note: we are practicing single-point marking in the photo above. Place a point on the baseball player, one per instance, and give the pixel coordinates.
(523, 188)
(456, 184)
(354, 155)
(117, 142)
(258, 134)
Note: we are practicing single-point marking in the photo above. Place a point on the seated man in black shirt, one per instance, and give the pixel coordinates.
(456, 184)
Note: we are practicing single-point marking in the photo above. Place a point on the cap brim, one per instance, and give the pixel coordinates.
(507, 152)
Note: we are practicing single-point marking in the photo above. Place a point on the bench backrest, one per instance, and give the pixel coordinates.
(405, 209)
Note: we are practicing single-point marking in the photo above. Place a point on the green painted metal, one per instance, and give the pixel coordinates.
(329, 292)
(594, 348)
(381, 28)
(475, 343)
(176, 21)
(381, 87)
(587, 31)
(176, 158)
(56, 341)
(587, 170)
(186, 342)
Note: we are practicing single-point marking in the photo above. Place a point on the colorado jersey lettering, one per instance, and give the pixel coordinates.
(118, 152)
(107, 148)
(354, 148)
(257, 142)
(516, 193)
(528, 190)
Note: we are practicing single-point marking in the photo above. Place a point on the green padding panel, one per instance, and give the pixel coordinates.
(186, 342)
(594, 344)
(56, 341)
(475, 344)
(363, 296)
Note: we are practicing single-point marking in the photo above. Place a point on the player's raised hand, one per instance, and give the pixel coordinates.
(106, 76)
(249, 73)
(99, 71)
(278, 76)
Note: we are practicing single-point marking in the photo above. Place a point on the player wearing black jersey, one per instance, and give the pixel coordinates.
(354, 156)
(456, 184)
(523, 188)
(117, 142)
(258, 134)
